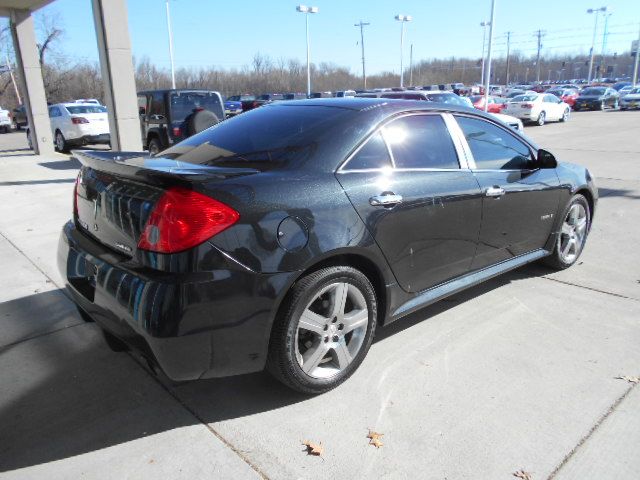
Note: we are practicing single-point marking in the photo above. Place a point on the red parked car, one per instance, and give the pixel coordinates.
(567, 95)
(496, 104)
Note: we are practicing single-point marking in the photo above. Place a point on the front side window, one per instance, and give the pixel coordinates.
(421, 141)
(494, 148)
(373, 154)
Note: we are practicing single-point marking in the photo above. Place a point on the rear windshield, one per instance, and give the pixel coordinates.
(593, 91)
(448, 98)
(262, 138)
(86, 109)
(184, 104)
(524, 98)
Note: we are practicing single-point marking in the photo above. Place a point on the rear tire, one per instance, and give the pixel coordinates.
(570, 242)
(324, 330)
(541, 119)
(154, 146)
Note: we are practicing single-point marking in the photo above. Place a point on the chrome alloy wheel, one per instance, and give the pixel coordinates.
(573, 233)
(331, 330)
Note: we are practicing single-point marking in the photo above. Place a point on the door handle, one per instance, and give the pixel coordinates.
(386, 199)
(494, 192)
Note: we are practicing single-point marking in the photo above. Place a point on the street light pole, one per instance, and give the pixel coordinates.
(307, 10)
(403, 19)
(484, 39)
(487, 79)
(173, 68)
(593, 41)
(635, 63)
(364, 74)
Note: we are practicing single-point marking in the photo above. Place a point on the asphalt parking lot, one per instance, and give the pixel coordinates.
(516, 374)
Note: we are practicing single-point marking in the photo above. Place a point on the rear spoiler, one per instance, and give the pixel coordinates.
(154, 170)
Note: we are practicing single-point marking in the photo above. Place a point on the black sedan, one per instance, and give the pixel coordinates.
(282, 238)
(597, 98)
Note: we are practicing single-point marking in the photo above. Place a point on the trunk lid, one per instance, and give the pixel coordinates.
(116, 192)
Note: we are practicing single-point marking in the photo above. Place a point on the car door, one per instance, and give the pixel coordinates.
(551, 107)
(612, 97)
(418, 199)
(520, 200)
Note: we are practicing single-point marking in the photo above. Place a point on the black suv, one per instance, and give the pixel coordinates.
(169, 116)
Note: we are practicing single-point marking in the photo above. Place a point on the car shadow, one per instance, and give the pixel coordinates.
(63, 393)
(70, 164)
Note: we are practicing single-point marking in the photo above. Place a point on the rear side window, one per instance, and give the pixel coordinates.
(421, 141)
(494, 148)
(373, 154)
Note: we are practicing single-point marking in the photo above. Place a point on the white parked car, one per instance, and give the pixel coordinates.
(631, 99)
(538, 108)
(92, 101)
(5, 121)
(77, 124)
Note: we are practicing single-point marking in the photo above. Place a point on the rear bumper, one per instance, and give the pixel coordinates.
(103, 138)
(198, 325)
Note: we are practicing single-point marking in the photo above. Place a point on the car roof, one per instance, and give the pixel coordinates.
(388, 105)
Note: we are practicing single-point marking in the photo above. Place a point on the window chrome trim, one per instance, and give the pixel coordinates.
(465, 159)
(462, 160)
(467, 148)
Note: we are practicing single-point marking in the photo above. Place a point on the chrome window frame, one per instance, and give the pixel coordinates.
(449, 123)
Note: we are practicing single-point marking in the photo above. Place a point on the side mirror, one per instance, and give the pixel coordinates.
(546, 159)
(142, 111)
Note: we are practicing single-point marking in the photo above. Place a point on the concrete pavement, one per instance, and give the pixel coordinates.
(517, 373)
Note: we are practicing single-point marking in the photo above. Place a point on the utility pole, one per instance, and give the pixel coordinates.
(539, 34)
(411, 65)
(484, 26)
(506, 82)
(635, 63)
(364, 73)
(173, 68)
(13, 80)
(487, 77)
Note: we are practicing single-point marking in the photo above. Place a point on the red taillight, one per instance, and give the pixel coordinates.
(177, 132)
(78, 120)
(182, 219)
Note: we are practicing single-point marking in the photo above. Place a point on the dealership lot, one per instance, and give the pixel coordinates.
(517, 373)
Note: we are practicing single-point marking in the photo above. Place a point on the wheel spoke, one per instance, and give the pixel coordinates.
(355, 320)
(313, 356)
(312, 321)
(339, 300)
(343, 356)
(566, 228)
(566, 248)
(581, 225)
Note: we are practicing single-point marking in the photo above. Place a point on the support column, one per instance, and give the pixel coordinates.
(30, 81)
(114, 48)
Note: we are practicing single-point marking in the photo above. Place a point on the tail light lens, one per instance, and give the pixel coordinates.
(78, 120)
(177, 132)
(182, 219)
(527, 105)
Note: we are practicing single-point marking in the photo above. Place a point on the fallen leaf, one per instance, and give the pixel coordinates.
(374, 438)
(629, 379)
(316, 449)
(523, 475)
(376, 443)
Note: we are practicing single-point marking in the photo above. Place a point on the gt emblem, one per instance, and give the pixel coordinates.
(548, 216)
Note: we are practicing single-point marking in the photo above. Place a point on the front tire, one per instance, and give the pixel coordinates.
(573, 234)
(61, 143)
(565, 116)
(324, 330)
